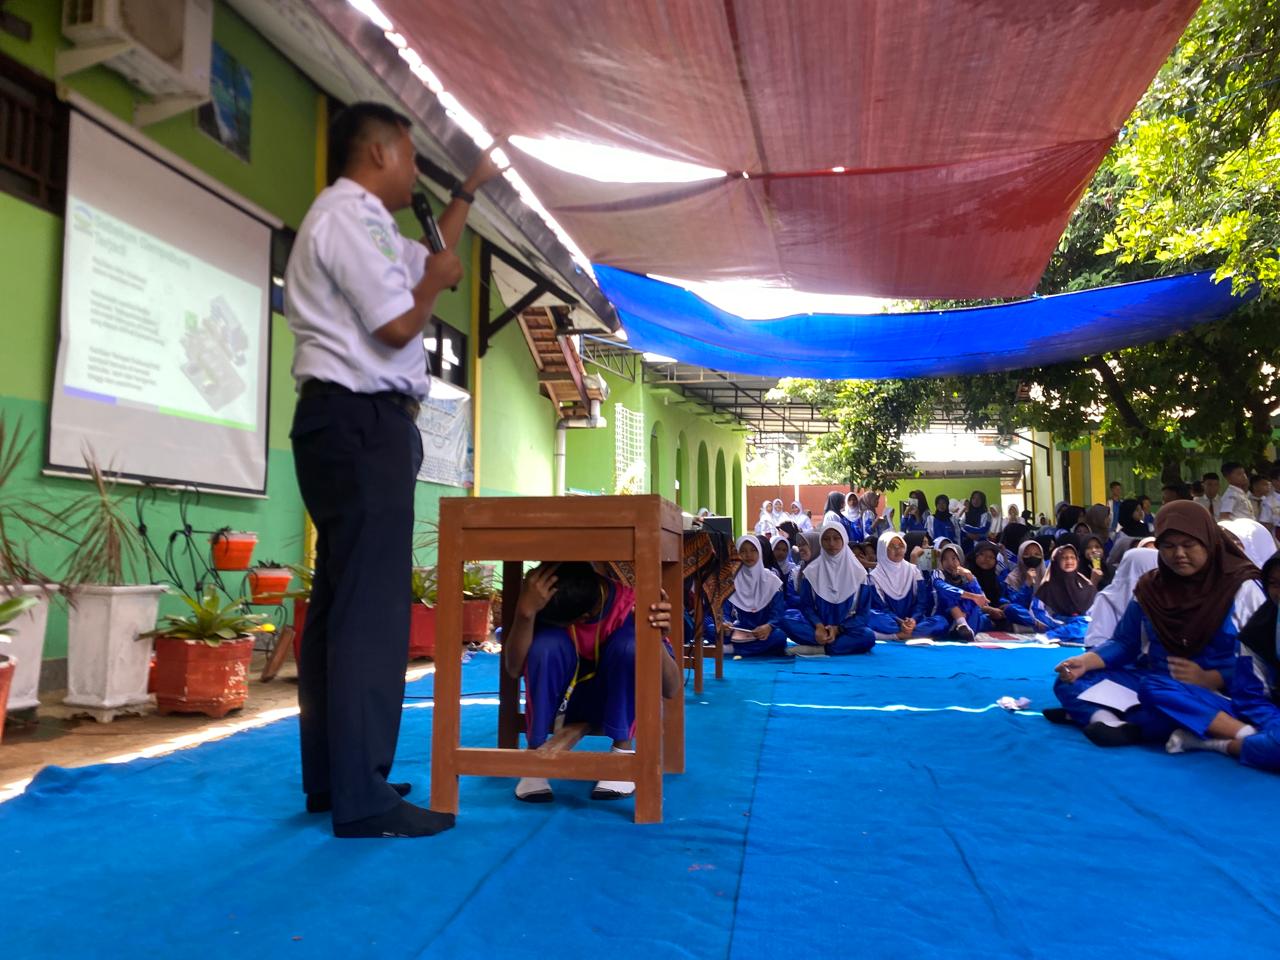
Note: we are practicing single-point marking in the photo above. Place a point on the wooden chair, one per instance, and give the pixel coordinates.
(646, 531)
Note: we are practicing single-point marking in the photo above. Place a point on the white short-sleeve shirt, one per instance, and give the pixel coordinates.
(1236, 503)
(350, 273)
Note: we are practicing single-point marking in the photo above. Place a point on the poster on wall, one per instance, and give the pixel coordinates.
(226, 116)
(445, 424)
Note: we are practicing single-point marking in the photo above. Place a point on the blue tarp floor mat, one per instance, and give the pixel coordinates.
(877, 806)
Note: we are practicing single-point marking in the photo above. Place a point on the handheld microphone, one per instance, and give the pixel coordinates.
(430, 229)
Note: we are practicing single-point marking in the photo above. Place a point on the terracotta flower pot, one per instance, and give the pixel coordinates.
(232, 551)
(193, 677)
(269, 584)
(422, 631)
(6, 678)
(475, 620)
(299, 621)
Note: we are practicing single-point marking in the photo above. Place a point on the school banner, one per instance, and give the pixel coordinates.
(445, 425)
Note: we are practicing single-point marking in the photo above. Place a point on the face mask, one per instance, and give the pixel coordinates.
(1033, 562)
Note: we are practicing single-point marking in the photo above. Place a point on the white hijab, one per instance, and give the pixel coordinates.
(894, 579)
(835, 579)
(754, 586)
(776, 512)
(852, 507)
(1110, 604)
(1258, 544)
(784, 567)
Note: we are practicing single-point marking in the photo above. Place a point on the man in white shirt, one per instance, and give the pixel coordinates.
(1210, 500)
(1260, 498)
(358, 296)
(1235, 503)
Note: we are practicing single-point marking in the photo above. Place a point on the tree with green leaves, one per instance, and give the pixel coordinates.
(1191, 184)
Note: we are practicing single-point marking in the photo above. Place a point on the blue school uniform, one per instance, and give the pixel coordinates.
(850, 614)
(1134, 654)
(1059, 627)
(773, 615)
(1016, 604)
(852, 530)
(913, 523)
(978, 530)
(940, 526)
(917, 605)
(947, 596)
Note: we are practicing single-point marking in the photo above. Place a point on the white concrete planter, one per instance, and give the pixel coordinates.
(107, 665)
(26, 647)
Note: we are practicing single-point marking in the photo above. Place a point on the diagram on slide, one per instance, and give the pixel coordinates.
(215, 346)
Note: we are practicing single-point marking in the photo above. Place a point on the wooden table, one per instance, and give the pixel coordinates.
(645, 531)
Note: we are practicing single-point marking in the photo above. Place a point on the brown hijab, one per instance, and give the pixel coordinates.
(1066, 594)
(1188, 611)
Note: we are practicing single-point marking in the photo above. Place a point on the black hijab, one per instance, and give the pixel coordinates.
(1012, 536)
(973, 516)
(1259, 634)
(989, 580)
(766, 554)
(1068, 517)
(835, 503)
(913, 539)
(1128, 525)
(1066, 594)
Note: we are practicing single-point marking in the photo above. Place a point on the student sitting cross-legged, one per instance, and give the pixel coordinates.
(1063, 598)
(834, 604)
(901, 601)
(959, 596)
(757, 605)
(1248, 726)
(1176, 645)
(574, 642)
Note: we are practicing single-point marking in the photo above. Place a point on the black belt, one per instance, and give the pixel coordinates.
(323, 388)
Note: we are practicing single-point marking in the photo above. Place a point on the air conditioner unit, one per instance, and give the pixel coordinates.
(163, 47)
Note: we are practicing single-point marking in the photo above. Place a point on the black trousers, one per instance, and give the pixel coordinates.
(357, 458)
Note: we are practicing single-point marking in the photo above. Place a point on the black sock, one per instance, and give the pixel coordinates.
(1056, 714)
(403, 820)
(323, 802)
(1106, 735)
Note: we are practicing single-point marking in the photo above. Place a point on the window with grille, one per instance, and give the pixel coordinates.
(628, 458)
(33, 138)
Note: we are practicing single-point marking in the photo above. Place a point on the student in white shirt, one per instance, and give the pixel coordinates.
(1235, 503)
(1260, 496)
(1210, 499)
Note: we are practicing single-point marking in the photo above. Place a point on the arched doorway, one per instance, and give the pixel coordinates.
(739, 508)
(684, 493)
(722, 486)
(655, 460)
(704, 477)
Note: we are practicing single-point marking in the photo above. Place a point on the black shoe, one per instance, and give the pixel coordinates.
(1056, 714)
(1103, 735)
(323, 802)
(403, 820)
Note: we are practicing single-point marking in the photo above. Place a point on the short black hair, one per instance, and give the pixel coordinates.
(353, 125)
(1255, 477)
(1230, 466)
(1197, 487)
(1117, 483)
(1210, 476)
(578, 590)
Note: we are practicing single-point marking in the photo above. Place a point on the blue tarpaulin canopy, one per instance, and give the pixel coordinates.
(666, 319)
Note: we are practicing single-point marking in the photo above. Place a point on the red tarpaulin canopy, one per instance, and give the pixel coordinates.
(967, 129)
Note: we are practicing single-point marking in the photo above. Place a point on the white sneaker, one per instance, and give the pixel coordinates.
(1177, 742)
(534, 790)
(613, 789)
(805, 650)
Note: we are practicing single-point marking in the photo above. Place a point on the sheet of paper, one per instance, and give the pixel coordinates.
(1108, 693)
(739, 634)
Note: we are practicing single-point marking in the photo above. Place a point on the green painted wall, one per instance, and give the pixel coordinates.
(957, 489)
(590, 467)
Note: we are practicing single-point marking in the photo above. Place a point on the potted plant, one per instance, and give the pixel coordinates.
(477, 602)
(10, 610)
(232, 549)
(107, 669)
(301, 601)
(19, 578)
(202, 658)
(422, 615)
(268, 582)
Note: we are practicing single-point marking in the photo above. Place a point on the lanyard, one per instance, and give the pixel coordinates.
(577, 670)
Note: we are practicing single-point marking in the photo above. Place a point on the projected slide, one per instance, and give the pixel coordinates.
(157, 326)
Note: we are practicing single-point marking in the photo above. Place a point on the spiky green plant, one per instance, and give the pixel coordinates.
(210, 621)
(17, 513)
(108, 546)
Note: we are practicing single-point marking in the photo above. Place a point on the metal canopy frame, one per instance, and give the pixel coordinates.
(490, 326)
